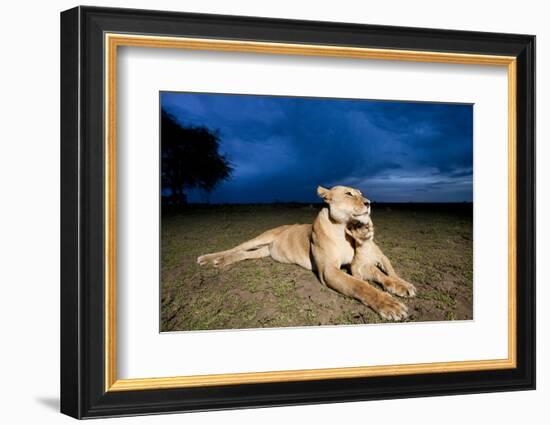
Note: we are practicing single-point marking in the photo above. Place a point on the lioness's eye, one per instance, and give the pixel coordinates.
(349, 193)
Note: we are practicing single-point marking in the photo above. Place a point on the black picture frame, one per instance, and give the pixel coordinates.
(83, 392)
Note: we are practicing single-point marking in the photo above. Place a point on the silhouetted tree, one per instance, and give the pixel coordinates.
(190, 158)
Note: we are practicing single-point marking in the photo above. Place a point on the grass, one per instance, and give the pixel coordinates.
(430, 247)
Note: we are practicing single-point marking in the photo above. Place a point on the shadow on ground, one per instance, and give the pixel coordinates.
(51, 403)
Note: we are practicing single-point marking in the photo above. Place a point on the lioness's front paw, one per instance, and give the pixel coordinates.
(402, 288)
(390, 309)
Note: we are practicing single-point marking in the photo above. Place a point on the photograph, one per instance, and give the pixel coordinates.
(287, 211)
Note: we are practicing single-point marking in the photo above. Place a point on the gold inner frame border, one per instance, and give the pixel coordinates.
(111, 43)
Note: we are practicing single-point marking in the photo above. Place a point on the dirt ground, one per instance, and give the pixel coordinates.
(430, 246)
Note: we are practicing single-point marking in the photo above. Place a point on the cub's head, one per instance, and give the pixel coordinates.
(360, 231)
(345, 204)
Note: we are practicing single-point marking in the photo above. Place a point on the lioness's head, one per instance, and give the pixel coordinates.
(345, 203)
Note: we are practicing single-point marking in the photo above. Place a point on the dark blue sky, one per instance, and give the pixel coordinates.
(282, 148)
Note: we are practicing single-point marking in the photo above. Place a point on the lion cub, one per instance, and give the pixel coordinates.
(370, 263)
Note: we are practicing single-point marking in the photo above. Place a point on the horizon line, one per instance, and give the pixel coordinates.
(322, 203)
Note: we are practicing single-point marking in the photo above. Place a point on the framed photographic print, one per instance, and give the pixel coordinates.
(261, 212)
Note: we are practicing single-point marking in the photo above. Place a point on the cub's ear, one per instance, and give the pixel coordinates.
(324, 193)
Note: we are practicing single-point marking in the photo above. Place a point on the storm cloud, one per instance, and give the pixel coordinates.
(282, 148)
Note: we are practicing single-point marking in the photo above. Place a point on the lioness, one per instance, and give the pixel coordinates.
(323, 247)
(370, 263)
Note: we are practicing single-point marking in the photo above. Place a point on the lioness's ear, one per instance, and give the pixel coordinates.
(324, 193)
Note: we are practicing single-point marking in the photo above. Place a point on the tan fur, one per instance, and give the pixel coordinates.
(323, 247)
(370, 263)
